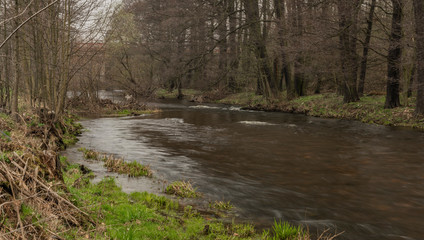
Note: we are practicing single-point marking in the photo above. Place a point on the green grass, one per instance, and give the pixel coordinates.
(132, 169)
(286, 231)
(118, 165)
(370, 109)
(244, 99)
(130, 112)
(222, 205)
(142, 215)
(182, 189)
(165, 94)
(89, 154)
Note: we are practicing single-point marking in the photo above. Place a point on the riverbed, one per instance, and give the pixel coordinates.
(364, 180)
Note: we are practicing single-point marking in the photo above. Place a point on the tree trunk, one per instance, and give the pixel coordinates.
(265, 85)
(364, 61)
(232, 43)
(299, 76)
(349, 64)
(15, 96)
(394, 57)
(419, 29)
(279, 12)
(222, 32)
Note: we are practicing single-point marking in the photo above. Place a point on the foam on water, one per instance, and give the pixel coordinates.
(257, 123)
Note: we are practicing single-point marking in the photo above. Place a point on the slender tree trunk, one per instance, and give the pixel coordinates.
(364, 61)
(349, 64)
(394, 57)
(299, 76)
(280, 9)
(232, 43)
(222, 31)
(265, 85)
(419, 29)
(15, 96)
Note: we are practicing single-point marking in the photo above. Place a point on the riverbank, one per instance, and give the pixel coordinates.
(43, 196)
(34, 201)
(370, 109)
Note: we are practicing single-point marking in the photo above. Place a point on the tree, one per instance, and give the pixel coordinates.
(265, 83)
(367, 41)
(394, 57)
(419, 29)
(348, 13)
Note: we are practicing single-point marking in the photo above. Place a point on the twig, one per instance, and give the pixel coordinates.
(18, 200)
(51, 191)
(25, 22)
(21, 228)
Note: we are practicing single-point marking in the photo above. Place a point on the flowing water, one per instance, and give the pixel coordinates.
(365, 180)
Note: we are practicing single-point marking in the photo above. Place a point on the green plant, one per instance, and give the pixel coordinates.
(286, 231)
(4, 158)
(5, 135)
(182, 189)
(89, 154)
(221, 205)
(133, 169)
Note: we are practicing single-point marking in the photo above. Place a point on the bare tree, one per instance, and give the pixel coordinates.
(394, 57)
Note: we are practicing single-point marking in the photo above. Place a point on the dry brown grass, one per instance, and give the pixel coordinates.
(33, 198)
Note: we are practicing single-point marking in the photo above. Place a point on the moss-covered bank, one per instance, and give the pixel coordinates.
(370, 109)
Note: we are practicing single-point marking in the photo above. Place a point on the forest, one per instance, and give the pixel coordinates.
(280, 49)
(67, 151)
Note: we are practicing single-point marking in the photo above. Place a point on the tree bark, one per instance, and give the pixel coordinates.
(394, 57)
(299, 76)
(232, 43)
(279, 6)
(364, 61)
(17, 77)
(349, 65)
(265, 85)
(419, 29)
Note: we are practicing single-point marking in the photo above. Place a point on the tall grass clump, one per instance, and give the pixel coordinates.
(182, 189)
(286, 231)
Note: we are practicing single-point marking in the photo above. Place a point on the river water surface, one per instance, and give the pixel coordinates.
(365, 180)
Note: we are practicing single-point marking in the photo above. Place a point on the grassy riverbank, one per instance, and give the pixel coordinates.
(45, 197)
(142, 215)
(370, 109)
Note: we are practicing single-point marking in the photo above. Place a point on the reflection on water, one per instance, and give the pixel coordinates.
(362, 179)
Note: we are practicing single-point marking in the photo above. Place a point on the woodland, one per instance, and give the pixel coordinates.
(58, 54)
(280, 49)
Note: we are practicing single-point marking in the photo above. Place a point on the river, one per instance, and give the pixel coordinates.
(365, 180)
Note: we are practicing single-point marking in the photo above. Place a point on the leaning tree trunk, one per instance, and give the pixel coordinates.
(394, 57)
